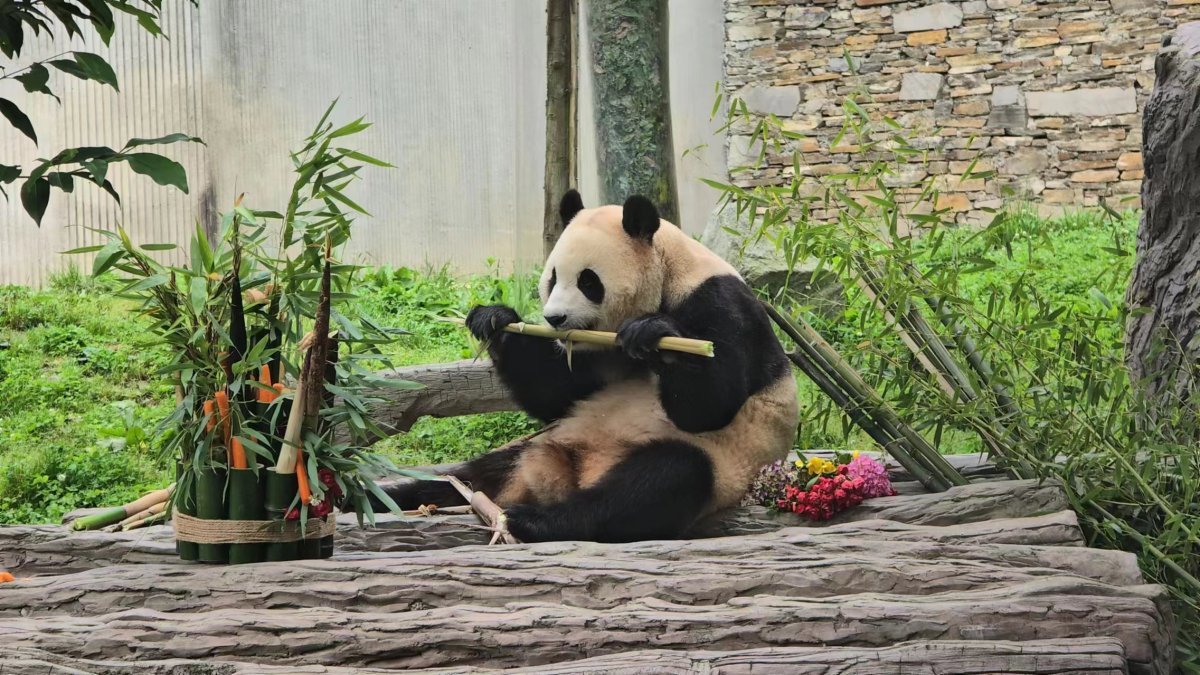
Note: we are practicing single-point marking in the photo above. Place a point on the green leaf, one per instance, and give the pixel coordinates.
(147, 283)
(61, 180)
(35, 80)
(35, 196)
(159, 247)
(199, 294)
(169, 138)
(98, 168)
(162, 170)
(83, 249)
(352, 154)
(108, 256)
(351, 128)
(9, 174)
(96, 68)
(17, 118)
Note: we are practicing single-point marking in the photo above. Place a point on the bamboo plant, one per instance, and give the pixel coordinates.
(236, 312)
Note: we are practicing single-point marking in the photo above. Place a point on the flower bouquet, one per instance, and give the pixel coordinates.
(270, 362)
(818, 488)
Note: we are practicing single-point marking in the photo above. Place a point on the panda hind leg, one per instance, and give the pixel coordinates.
(655, 492)
(489, 473)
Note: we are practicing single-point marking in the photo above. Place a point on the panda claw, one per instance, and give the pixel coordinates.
(485, 321)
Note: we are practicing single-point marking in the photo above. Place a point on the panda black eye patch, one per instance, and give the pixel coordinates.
(590, 285)
(553, 279)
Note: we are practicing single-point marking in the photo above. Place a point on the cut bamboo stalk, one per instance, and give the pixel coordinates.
(291, 438)
(143, 522)
(487, 510)
(118, 513)
(601, 338)
(141, 515)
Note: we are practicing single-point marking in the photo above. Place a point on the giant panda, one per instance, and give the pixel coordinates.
(640, 443)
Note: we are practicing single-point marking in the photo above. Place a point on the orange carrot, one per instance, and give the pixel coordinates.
(226, 422)
(302, 477)
(278, 387)
(264, 378)
(239, 454)
(6, 577)
(212, 417)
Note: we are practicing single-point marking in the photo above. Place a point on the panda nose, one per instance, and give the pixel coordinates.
(556, 320)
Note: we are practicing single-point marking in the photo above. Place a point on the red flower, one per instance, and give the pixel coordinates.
(293, 514)
(330, 482)
(827, 497)
(321, 509)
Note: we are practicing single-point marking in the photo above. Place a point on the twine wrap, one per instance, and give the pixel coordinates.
(201, 531)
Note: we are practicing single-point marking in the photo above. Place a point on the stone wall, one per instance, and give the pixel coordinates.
(1049, 90)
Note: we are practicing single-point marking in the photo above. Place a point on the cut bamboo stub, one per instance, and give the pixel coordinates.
(602, 338)
(117, 514)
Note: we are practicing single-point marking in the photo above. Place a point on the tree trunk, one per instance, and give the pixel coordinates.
(981, 513)
(1084, 656)
(789, 564)
(531, 633)
(632, 102)
(562, 58)
(1162, 343)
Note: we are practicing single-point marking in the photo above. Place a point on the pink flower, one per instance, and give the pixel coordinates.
(873, 475)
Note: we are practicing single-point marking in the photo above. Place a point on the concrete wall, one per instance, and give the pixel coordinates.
(455, 89)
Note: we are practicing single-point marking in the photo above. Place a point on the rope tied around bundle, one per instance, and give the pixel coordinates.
(202, 531)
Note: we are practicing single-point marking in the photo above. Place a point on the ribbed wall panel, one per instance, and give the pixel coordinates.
(160, 90)
(455, 89)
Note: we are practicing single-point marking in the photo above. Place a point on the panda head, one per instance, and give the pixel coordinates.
(605, 268)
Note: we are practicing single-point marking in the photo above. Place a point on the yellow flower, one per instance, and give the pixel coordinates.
(855, 455)
(818, 466)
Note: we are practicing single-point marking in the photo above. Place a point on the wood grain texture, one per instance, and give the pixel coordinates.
(1084, 656)
(533, 633)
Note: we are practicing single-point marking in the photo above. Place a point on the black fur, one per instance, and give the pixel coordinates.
(591, 286)
(569, 206)
(487, 473)
(654, 493)
(535, 369)
(704, 394)
(640, 218)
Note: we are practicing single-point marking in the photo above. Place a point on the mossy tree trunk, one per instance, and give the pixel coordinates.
(632, 102)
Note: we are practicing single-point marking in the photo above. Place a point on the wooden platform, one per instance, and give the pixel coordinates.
(988, 578)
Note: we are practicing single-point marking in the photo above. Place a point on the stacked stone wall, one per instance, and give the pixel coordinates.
(1049, 92)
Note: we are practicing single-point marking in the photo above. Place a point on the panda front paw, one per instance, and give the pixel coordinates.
(639, 337)
(486, 321)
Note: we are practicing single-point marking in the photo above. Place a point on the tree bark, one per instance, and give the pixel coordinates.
(1162, 343)
(632, 102)
(449, 390)
(982, 513)
(580, 575)
(526, 633)
(562, 57)
(1084, 656)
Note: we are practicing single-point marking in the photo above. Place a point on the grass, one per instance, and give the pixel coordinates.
(79, 398)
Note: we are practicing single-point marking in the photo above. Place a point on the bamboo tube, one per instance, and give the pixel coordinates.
(187, 550)
(601, 338)
(119, 513)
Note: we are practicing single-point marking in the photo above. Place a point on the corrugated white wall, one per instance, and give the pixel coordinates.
(454, 88)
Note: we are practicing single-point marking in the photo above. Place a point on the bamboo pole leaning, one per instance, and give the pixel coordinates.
(826, 367)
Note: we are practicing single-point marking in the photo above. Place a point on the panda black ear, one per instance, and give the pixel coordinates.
(570, 206)
(640, 218)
